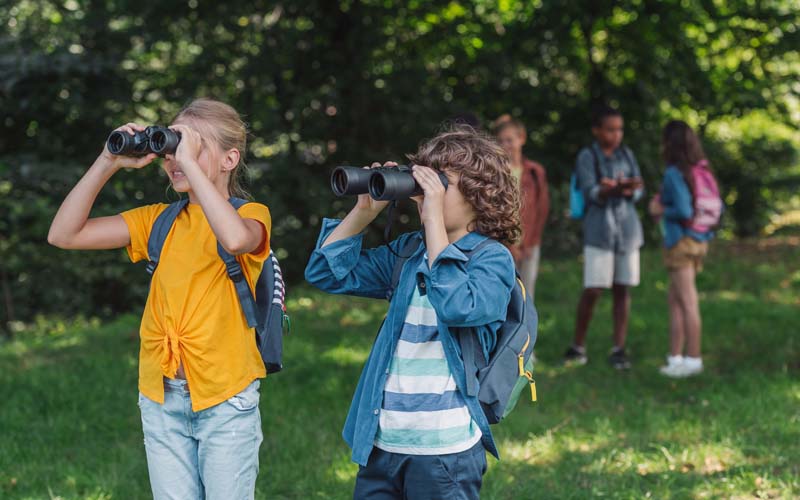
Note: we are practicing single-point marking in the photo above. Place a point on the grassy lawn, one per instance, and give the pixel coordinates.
(70, 428)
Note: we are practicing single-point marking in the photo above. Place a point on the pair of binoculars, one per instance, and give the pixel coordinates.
(154, 139)
(382, 183)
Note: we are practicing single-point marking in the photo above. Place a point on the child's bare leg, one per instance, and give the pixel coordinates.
(622, 309)
(586, 305)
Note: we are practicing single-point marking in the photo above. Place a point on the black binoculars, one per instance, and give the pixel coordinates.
(382, 183)
(154, 139)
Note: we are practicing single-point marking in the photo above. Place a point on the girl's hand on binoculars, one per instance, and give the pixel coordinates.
(118, 161)
(433, 189)
(366, 202)
(188, 150)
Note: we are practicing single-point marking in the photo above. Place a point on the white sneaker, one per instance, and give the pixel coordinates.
(692, 366)
(673, 368)
(682, 367)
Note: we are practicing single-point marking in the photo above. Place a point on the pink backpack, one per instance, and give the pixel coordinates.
(707, 202)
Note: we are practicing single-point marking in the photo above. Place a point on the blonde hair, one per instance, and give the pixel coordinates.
(485, 178)
(227, 130)
(505, 121)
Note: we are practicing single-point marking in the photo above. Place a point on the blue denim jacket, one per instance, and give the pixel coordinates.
(678, 208)
(464, 292)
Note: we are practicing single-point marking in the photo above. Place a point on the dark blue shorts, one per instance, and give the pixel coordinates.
(457, 476)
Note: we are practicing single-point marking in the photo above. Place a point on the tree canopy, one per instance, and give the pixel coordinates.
(323, 83)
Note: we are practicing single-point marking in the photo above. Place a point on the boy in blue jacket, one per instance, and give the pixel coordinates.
(412, 428)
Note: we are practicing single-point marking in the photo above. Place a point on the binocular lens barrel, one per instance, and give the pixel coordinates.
(122, 143)
(348, 181)
(164, 141)
(117, 142)
(393, 184)
(382, 183)
(159, 140)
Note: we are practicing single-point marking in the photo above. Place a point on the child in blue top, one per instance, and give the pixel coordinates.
(685, 249)
(412, 428)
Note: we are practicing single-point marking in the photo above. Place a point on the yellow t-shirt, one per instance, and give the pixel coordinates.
(192, 315)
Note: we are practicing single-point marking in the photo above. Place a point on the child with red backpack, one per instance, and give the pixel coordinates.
(690, 207)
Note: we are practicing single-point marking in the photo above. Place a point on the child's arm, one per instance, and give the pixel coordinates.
(636, 190)
(677, 199)
(236, 234)
(71, 227)
(343, 267)
(340, 265)
(594, 190)
(360, 216)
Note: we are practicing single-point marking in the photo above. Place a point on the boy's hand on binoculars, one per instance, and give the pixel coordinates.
(433, 189)
(366, 203)
(120, 161)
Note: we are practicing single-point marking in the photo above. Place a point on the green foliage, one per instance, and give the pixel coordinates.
(751, 156)
(323, 83)
(71, 428)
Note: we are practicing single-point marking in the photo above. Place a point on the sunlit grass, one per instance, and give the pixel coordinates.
(70, 427)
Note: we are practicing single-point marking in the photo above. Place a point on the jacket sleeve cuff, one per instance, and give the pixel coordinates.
(341, 256)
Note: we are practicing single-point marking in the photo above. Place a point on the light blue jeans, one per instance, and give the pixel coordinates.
(211, 454)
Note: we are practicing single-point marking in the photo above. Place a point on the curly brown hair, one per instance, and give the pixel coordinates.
(485, 178)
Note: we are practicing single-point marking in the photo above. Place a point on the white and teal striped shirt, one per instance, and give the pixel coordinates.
(423, 411)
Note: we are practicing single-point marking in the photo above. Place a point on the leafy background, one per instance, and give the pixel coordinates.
(326, 82)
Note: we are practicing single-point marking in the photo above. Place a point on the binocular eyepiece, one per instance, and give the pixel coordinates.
(154, 139)
(382, 183)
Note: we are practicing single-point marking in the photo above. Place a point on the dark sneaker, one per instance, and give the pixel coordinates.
(619, 360)
(575, 356)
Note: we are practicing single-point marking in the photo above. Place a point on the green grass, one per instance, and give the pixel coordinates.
(70, 428)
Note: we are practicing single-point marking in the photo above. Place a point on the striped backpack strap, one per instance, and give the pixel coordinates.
(235, 273)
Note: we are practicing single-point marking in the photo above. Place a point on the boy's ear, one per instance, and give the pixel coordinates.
(230, 160)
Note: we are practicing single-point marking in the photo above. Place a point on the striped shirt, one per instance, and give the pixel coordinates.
(423, 411)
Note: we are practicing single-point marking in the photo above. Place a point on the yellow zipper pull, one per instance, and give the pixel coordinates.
(529, 375)
(521, 357)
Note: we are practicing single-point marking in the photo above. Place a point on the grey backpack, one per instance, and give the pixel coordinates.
(499, 381)
(266, 312)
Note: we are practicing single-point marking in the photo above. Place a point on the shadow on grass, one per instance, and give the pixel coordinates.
(70, 426)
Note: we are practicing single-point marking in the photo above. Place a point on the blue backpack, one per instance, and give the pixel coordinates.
(577, 205)
(266, 312)
(499, 381)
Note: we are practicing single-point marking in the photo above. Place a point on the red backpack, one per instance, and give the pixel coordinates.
(707, 202)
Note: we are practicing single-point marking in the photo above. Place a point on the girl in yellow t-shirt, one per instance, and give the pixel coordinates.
(199, 367)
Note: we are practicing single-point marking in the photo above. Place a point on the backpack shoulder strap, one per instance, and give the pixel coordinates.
(596, 163)
(411, 246)
(237, 202)
(236, 275)
(472, 351)
(626, 153)
(160, 230)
